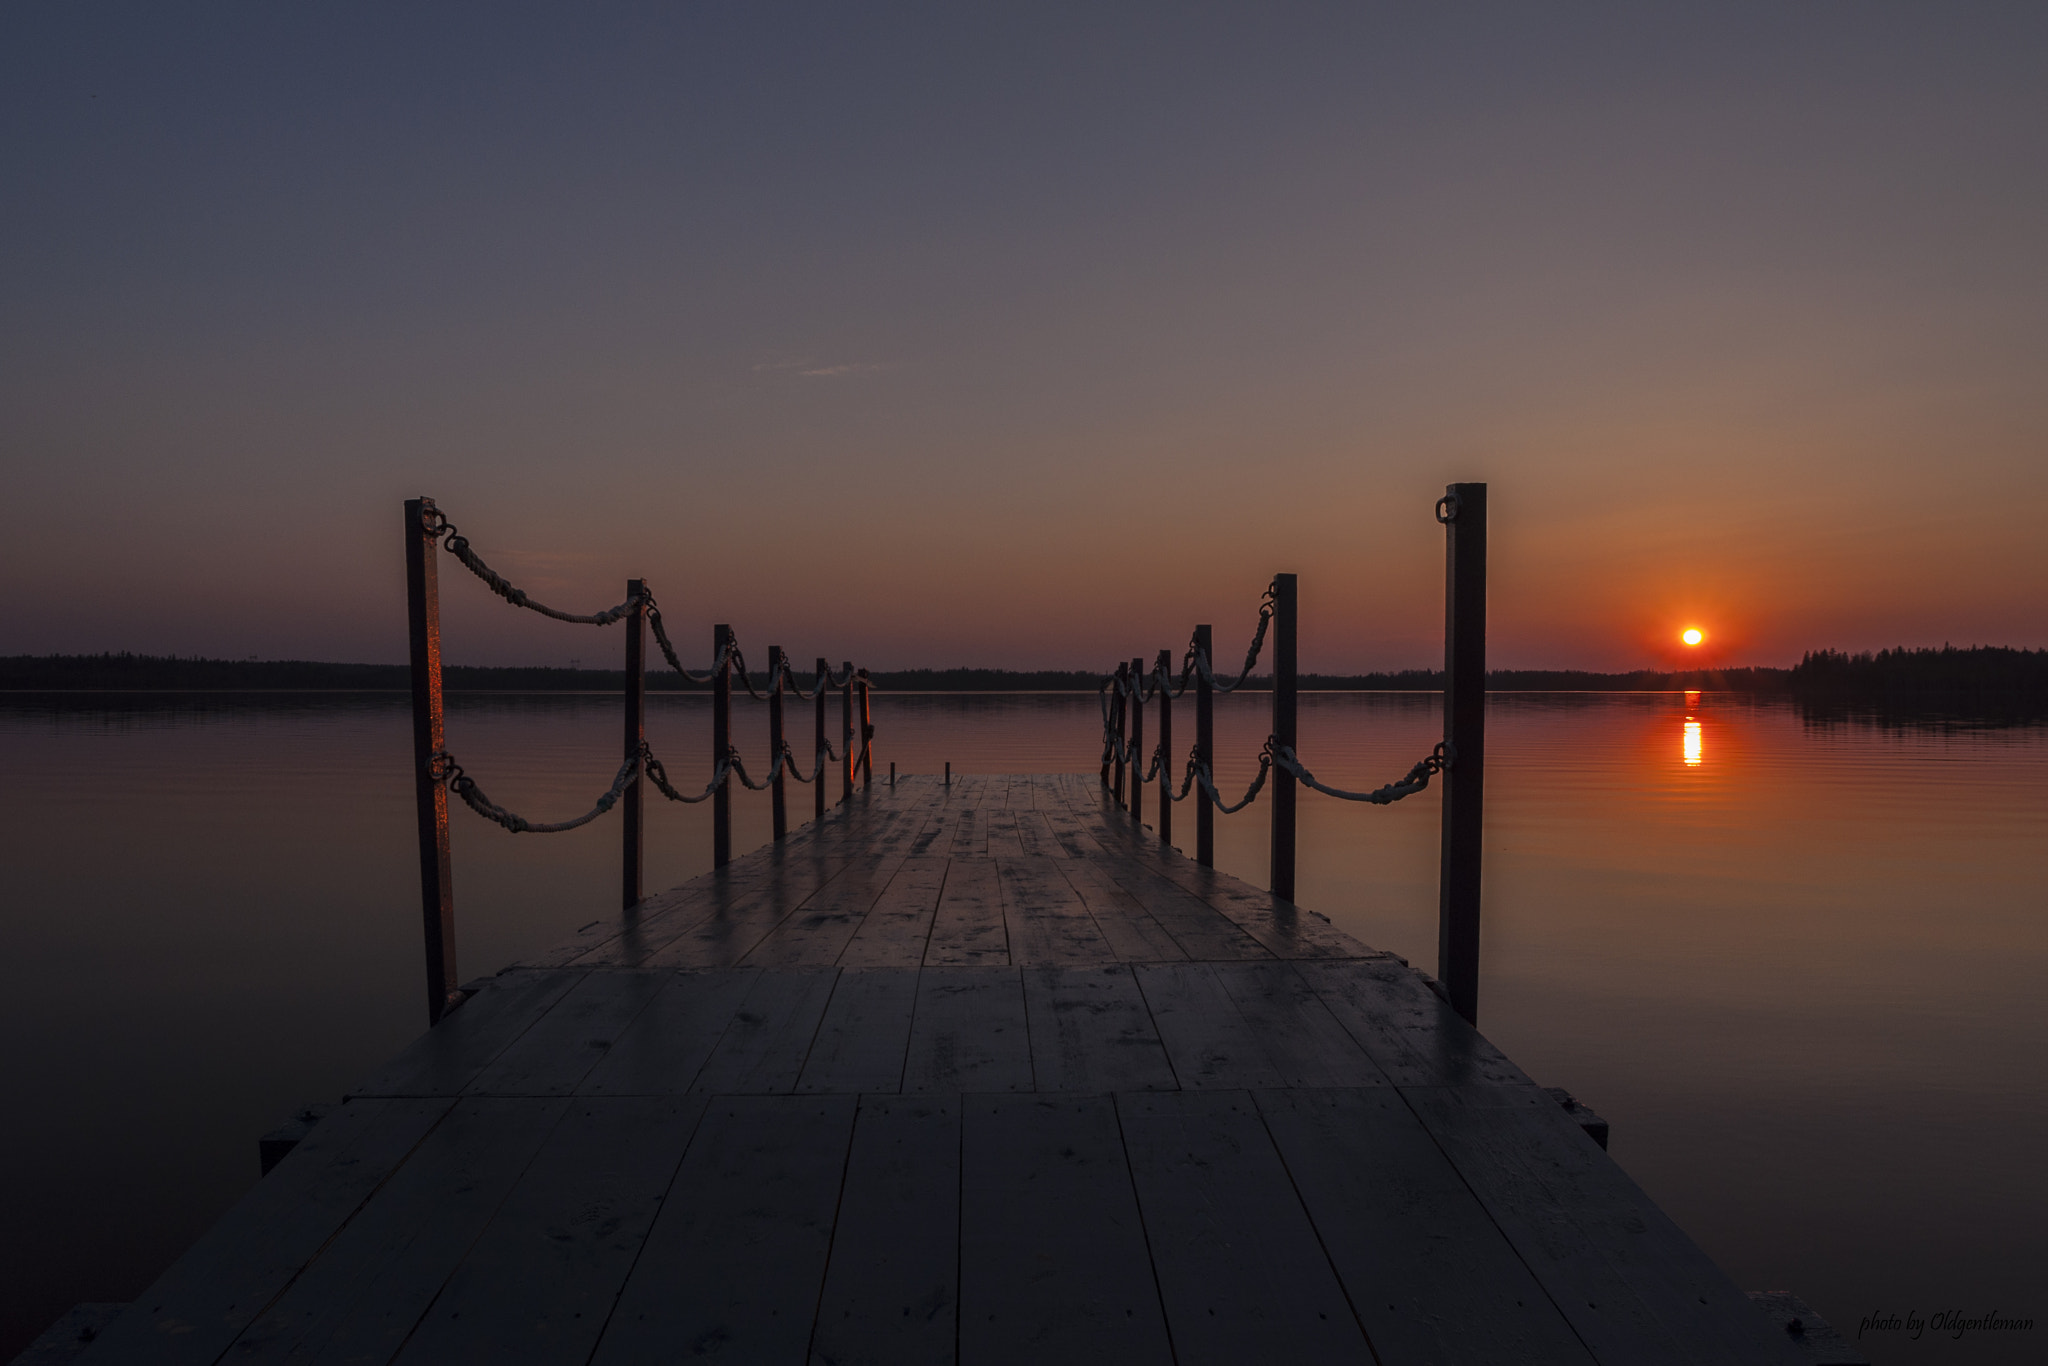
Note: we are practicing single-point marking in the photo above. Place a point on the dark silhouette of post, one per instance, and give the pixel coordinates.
(721, 744)
(818, 744)
(1138, 739)
(867, 736)
(1205, 749)
(1165, 750)
(1116, 731)
(779, 810)
(846, 755)
(1284, 716)
(1463, 513)
(632, 811)
(437, 880)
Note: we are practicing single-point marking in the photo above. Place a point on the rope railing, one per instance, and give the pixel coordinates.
(1135, 687)
(439, 777)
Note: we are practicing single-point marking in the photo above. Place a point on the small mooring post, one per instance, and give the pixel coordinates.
(846, 755)
(1138, 739)
(1205, 748)
(1284, 717)
(437, 881)
(1117, 731)
(1165, 750)
(867, 735)
(632, 811)
(721, 744)
(949, 773)
(777, 800)
(1462, 510)
(818, 743)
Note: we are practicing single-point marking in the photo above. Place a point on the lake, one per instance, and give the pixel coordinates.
(1798, 964)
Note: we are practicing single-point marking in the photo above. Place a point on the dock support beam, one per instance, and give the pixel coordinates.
(777, 798)
(1118, 730)
(1285, 636)
(1463, 513)
(632, 810)
(867, 735)
(721, 744)
(1205, 748)
(437, 881)
(1165, 749)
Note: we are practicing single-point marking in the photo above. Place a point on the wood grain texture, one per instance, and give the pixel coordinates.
(969, 1032)
(1090, 1031)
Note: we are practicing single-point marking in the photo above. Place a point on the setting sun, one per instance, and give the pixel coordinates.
(1692, 635)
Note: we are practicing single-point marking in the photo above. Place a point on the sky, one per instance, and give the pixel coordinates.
(1025, 335)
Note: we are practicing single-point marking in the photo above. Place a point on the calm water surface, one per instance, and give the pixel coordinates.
(1799, 967)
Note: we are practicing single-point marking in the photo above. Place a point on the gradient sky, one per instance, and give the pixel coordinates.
(950, 334)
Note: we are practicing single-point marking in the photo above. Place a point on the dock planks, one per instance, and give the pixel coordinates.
(979, 1073)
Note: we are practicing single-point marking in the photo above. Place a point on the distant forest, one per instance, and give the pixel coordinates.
(1982, 675)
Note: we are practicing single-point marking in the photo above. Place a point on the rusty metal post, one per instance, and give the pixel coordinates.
(721, 744)
(1165, 750)
(867, 735)
(1138, 739)
(777, 800)
(818, 744)
(632, 810)
(1463, 513)
(1285, 699)
(1205, 749)
(437, 878)
(847, 758)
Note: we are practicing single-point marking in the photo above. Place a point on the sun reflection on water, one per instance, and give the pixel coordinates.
(1692, 731)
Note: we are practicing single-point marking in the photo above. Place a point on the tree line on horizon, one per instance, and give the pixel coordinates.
(1978, 673)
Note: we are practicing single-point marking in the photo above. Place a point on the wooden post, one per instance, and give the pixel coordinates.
(777, 799)
(949, 773)
(867, 735)
(1284, 716)
(1138, 739)
(847, 758)
(1116, 730)
(1205, 748)
(1165, 750)
(632, 810)
(1463, 513)
(818, 745)
(721, 744)
(892, 773)
(437, 879)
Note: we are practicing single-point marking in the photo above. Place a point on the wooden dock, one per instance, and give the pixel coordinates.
(978, 1073)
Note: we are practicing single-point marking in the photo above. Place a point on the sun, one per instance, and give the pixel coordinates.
(1692, 635)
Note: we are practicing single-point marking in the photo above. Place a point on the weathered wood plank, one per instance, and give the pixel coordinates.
(542, 1278)
(1053, 1260)
(969, 1032)
(361, 1298)
(1003, 839)
(1047, 920)
(1201, 931)
(968, 927)
(764, 1048)
(447, 1058)
(196, 1309)
(736, 1258)
(1241, 1271)
(1303, 1040)
(1415, 1037)
(1090, 1031)
(817, 932)
(1430, 1275)
(899, 925)
(865, 1033)
(1128, 928)
(1633, 1287)
(1206, 1040)
(666, 1046)
(553, 1057)
(892, 1290)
